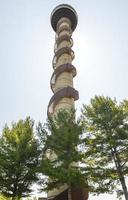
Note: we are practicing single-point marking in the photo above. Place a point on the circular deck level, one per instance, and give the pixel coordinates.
(64, 10)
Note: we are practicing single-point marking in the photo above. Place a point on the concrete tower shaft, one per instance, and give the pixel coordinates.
(63, 21)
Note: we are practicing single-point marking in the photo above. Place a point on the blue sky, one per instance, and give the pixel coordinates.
(26, 52)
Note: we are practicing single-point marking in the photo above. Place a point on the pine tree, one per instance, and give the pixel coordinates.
(106, 144)
(19, 155)
(62, 136)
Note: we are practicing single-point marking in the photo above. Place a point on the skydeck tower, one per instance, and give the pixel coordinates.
(63, 21)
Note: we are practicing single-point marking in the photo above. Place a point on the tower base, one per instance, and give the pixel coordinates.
(77, 193)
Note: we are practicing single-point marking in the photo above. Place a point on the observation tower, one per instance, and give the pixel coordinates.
(64, 21)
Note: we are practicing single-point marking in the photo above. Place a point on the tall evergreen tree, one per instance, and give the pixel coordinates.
(106, 144)
(19, 155)
(62, 138)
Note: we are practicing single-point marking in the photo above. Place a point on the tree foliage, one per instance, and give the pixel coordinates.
(19, 155)
(62, 136)
(4, 198)
(91, 152)
(106, 143)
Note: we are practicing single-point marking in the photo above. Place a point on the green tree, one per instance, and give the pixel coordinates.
(3, 197)
(61, 137)
(106, 144)
(19, 155)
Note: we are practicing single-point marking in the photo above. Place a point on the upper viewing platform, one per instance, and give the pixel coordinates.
(64, 10)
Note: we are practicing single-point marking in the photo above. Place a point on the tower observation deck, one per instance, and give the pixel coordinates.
(64, 21)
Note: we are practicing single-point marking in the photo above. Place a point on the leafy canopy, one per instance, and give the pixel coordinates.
(62, 135)
(106, 143)
(19, 155)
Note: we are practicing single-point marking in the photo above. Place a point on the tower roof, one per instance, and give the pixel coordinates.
(64, 10)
